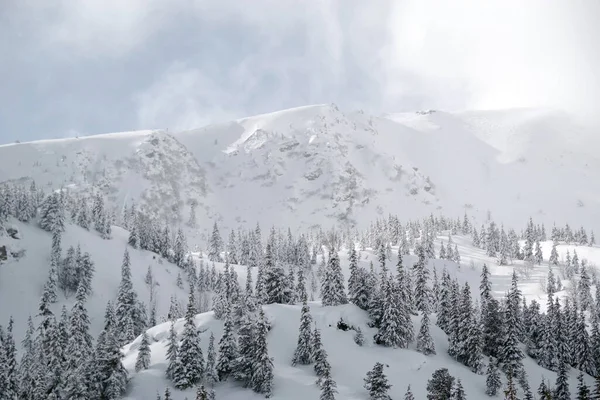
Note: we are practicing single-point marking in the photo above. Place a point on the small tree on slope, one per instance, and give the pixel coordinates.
(425, 343)
(262, 376)
(439, 387)
(377, 383)
(143, 357)
(493, 381)
(303, 353)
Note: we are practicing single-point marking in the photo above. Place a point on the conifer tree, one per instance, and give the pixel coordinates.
(143, 358)
(215, 245)
(439, 387)
(228, 351)
(511, 355)
(328, 386)
(561, 391)
(409, 394)
(354, 280)
(544, 392)
(493, 381)
(246, 348)
(111, 373)
(583, 392)
(191, 359)
(421, 288)
(262, 376)
(425, 343)
(211, 376)
(125, 303)
(553, 260)
(319, 356)
(303, 353)
(510, 393)
(332, 289)
(172, 352)
(377, 384)
(538, 253)
(458, 392)
(584, 289)
(275, 281)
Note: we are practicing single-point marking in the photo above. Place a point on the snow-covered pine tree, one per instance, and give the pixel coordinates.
(143, 358)
(124, 309)
(377, 384)
(539, 257)
(583, 391)
(262, 369)
(228, 350)
(443, 317)
(493, 382)
(9, 378)
(191, 358)
(584, 289)
(409, 394)
(581, 342)
(211, 376)
(333, 292)
(458, 392)
(421, 288)
(246, 349)
(321, 365)
(111, 373)
(215, 245)
(440, 385)
(510, 393)
(328, 386)
(275, 281)
(561, 391)
(52, 216)
(359, 337)
(172, 350)
(511, 355)
(425, 343)
(303, 354)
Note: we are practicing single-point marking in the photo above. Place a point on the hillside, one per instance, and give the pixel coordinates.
(329, 167)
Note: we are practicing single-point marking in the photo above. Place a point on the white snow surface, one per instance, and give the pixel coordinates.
(21, 283)
(318, 165)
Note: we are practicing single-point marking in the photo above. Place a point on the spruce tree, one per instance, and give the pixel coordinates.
(211, 376)
(172, 352)
(421, 288)
(319, 356)
(125, 304)
(544, 391)
(215, 245)
(303, 353)
(511, 355)
(510, 393)
(262, 376)
(409, 394)
(328, 386)
(425, 343)
(246, 348)
(9, 382)
(458, 392)
(275, 281)
(561, 391)
(583, 392)
(359, 337)
(584, 289)
(493, 381)
(143, 357)
(377, 384)
(228, 351)
(439, 387)
(332, 289)
(191, 359)
(111, 373)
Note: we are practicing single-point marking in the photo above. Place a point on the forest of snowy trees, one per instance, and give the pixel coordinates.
(61, 360)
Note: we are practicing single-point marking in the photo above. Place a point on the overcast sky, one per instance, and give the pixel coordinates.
(93, 66)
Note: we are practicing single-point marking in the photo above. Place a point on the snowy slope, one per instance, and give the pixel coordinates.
(21, 281)
(320, 165)
(350, 362)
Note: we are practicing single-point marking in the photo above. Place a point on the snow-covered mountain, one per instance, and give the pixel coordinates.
(320, 165)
